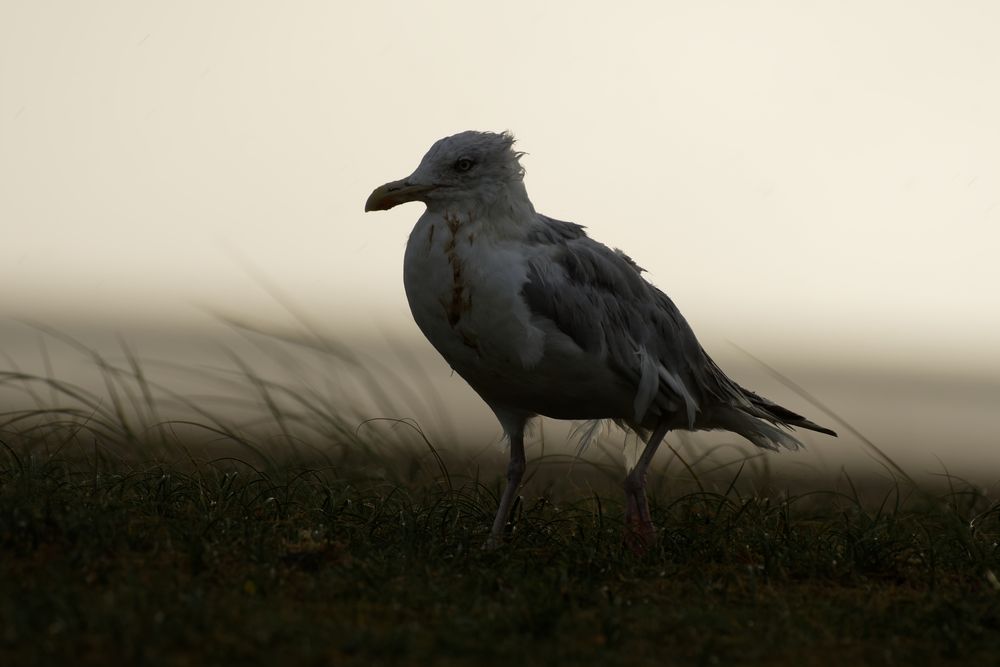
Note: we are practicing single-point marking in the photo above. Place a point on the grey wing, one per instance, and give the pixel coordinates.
(598, 298)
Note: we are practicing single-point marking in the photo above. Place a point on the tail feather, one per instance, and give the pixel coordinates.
(782, 415)
(752, 405)
(754, 429)
(763, 422)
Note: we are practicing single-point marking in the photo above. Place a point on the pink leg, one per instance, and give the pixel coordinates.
(640, 533)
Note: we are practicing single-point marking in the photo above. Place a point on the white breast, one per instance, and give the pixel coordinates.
(464, 285)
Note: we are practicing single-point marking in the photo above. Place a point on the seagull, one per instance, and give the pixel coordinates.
(540, 319)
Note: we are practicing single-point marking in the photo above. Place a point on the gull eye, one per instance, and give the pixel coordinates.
(464, 164)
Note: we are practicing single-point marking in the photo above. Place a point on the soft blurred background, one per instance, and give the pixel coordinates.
(817, 185)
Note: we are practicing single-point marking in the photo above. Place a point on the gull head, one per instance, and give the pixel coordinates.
(470, 169)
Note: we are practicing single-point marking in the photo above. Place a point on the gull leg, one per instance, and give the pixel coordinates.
(515, 471)
(639, 529)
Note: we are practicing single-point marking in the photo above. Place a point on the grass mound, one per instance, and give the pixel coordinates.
(106, 560)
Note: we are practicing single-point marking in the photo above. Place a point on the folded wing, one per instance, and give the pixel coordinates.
(598, 298)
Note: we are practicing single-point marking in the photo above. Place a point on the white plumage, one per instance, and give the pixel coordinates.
(542, 320)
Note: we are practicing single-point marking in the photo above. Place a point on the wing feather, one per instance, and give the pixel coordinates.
(598, 298)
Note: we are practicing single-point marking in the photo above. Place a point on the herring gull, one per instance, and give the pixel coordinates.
(540, 319)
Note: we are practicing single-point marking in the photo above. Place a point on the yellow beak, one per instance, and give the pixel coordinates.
(392, 194)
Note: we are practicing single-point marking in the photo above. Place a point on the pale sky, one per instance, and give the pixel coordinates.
(813, 180)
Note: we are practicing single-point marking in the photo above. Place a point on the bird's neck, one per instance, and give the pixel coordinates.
(505, 211)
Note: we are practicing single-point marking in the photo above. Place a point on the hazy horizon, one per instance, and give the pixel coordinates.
(928, 423)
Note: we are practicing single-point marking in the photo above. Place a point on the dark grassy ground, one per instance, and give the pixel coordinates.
(109, 561)
(129, 539)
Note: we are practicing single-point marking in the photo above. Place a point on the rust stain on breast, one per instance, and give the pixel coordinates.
(460, 300)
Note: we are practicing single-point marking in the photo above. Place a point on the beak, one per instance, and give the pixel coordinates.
(398, 192)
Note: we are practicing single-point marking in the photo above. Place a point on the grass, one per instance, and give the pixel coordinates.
(128, 539)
